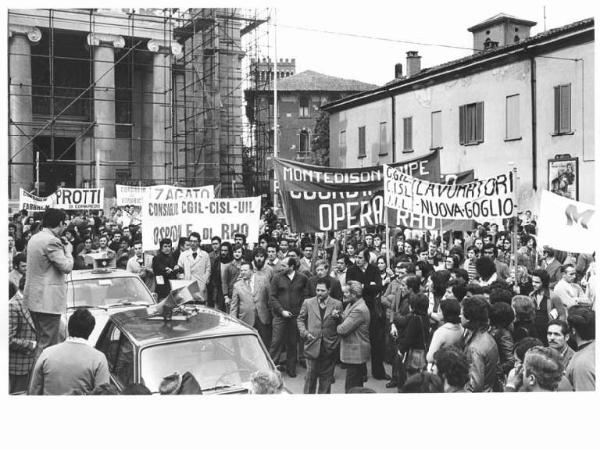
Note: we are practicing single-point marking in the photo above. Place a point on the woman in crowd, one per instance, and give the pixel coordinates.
(385, 273)
(450, 333)
(501, 317)
(524, 325)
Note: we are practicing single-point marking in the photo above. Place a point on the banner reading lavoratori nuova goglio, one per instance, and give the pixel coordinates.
(324, 199)
(479, 200)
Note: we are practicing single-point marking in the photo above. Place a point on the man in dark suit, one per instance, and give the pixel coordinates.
(322, 271)
(491, 251)
(250, 302)
(288, 291)
(22, 341)
(368, 275)
(355, 347)
(318, 327)
(48, 260)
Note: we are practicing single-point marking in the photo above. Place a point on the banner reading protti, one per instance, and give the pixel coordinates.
(490, 198)
(79, 198)
(172, 219)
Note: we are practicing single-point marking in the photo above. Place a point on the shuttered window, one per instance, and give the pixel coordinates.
(562, 109)
(436, 129)
(471, 123)
(383, 138)
(408, 141)
(513, 125)
(342, 146)
(362, 145)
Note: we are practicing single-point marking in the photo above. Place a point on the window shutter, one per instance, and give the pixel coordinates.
(361, 142)
(556, 109)
(479, 122)
(436, 129)
(462, 119)
(513, 126)
(407, 135)
(565, 108)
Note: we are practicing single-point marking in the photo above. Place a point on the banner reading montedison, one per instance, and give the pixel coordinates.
(323, 198)
(490, 198)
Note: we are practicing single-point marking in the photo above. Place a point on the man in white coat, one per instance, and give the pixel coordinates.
(196, 264)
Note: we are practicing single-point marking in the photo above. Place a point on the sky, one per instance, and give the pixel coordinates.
(428, 25)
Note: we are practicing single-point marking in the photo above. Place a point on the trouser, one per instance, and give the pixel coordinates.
(285, 334)
(18, 383)
(264, 331)
(377, 339)
(354, 375)
(48, 329)
(321, 370)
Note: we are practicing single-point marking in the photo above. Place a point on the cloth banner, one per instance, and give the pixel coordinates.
(566, 224)
(479, 200)
(323, 198)
(34, 203)
(134, 195)
(129, 195)
(79, 198)
(165, 217)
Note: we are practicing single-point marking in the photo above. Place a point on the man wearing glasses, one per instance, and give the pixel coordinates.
(196, 264)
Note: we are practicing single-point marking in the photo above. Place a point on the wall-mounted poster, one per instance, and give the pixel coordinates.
(563, 177)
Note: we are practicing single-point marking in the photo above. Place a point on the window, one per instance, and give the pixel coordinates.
(362, 145)
(436, 129)
(304, 110)
(562, 109)
(304, 144)
(383, 144)
(513, 126)
(471, 124)
(408, 144)
(342, 145)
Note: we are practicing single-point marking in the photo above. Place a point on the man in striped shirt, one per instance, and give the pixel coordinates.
(469, 264)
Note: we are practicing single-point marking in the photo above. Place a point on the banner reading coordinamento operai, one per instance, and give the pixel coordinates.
(493, 197)
(209, 217)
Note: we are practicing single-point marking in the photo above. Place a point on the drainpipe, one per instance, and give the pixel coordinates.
(393, 129)
(533, 123)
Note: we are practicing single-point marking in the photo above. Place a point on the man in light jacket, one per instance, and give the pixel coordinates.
(196, 264)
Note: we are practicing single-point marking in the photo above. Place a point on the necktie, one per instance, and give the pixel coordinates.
(194, 254)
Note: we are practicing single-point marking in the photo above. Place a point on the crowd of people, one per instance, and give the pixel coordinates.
(478, 311)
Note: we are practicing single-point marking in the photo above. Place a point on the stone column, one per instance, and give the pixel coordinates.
(104, 107)
(20, 104)
(161, 107)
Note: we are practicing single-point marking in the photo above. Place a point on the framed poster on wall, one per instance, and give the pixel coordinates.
(563, 177)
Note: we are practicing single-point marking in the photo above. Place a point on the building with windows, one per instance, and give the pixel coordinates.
(527, 100)
(299, 98)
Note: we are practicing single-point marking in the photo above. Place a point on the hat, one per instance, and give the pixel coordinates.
(170, 385)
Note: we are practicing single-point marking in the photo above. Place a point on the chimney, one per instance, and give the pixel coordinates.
(413, 63)
(398, 70)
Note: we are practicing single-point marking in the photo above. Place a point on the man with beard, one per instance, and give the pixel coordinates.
(367, 274)
(165, 268)
(259, 266)
(219, 290)
(288, 291)
(581, 371)
(215, 243)
(547, 305)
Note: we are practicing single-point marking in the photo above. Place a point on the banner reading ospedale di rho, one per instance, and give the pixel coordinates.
(327, 199)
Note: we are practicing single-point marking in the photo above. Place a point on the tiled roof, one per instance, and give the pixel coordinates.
(499, 18)
(457, 63)
(314, 81)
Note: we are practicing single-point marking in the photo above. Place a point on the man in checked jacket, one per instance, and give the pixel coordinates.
(22, 342)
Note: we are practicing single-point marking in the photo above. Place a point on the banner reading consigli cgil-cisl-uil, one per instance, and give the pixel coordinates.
(64, 198)
(168, 217)
(482, 199)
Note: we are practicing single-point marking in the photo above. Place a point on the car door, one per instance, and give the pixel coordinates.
(119, 352)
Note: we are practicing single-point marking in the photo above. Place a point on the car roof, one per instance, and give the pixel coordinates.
(93, 274)
(144, 329)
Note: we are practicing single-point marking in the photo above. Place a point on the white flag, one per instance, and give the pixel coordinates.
(566, 224)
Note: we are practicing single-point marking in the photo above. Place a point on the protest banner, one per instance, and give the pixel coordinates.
(79, 198)
(566, 224)
(173, 194)
(209, 217)
(482, 199)
(34, 203)
(129, 195)
(325, 199)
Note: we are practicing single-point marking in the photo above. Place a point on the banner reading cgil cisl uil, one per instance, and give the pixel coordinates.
(169, 217)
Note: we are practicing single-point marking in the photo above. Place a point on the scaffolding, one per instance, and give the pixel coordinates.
(177, 116)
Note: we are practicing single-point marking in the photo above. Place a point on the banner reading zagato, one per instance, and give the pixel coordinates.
(481, 199)
(165, 217)
(323, 198)
(134, 195)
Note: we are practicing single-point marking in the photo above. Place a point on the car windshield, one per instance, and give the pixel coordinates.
(214, 362)
(104, 292)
